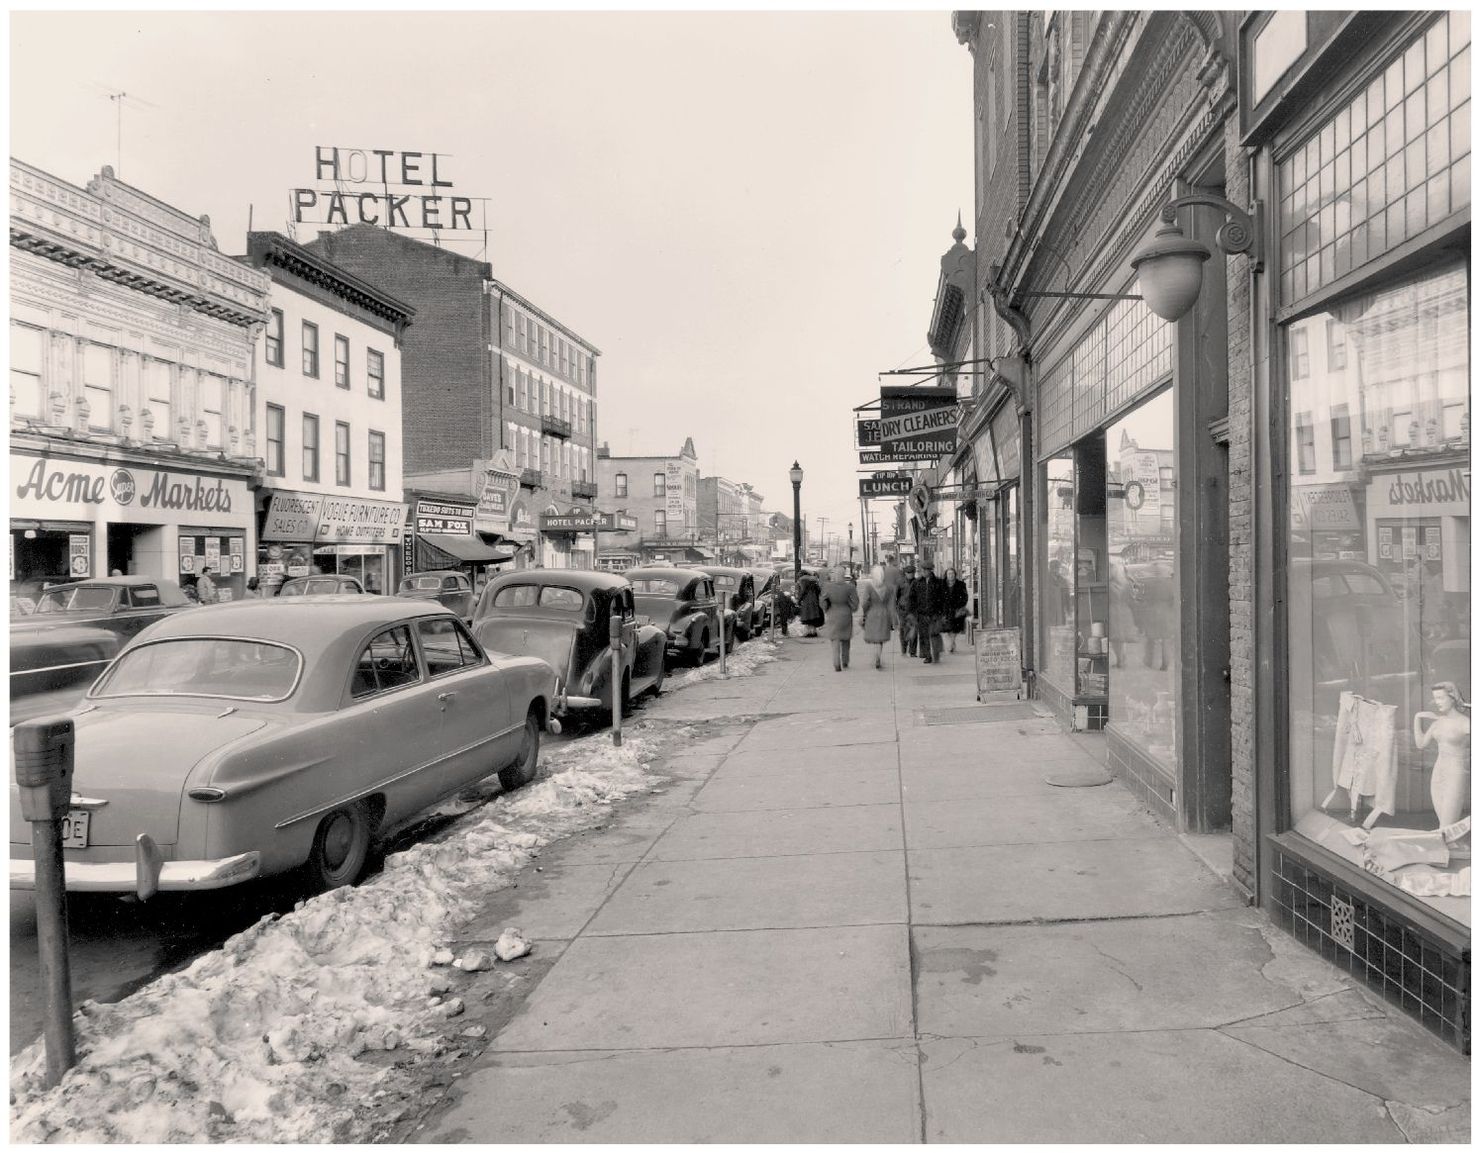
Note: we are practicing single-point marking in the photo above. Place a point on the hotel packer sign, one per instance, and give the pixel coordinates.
(384, 187)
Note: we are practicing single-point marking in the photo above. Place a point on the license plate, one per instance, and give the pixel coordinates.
(74, 829)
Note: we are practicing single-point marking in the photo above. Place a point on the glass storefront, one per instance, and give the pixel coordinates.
(1379, 583)
(1140, 514)
(1057, 610)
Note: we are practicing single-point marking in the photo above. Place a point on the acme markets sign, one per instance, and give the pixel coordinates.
(48, 487)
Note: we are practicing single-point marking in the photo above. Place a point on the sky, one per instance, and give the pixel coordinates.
(744, 211)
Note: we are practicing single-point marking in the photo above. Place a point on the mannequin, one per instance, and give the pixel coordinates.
(1449, 728)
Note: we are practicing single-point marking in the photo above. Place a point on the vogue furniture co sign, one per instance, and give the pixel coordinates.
(381, 186)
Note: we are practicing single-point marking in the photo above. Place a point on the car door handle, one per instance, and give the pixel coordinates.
(446, 696)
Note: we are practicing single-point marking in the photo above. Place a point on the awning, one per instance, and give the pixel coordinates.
(467, 548)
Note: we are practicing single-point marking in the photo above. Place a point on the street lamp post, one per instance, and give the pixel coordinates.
(796, 519)
(850, 548)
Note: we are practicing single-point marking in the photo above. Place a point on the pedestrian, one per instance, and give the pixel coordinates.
(908, 639)
(876, 602)
(839, 600)
(809, 604)
(957, 599)
(116, 572)
(928, 606)
(254, 589)
(205, 587)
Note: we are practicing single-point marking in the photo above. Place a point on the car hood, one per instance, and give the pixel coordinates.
(552, 641)
(139, 760)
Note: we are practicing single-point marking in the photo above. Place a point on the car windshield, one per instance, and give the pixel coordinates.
(655, 586)
(422, 583)
(77, 597)
(555, 597)
(726, 582)
(242, 670)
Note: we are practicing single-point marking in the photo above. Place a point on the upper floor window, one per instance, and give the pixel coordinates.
(375, 373)
(341, 453)
(377, 461)
(212, 407)
(341, 361)
(1341, 436)
(520, 337)
(660, 484)
(1335, 346)
(97, 376)
(157, 385)
(275, 338)
(26, 345)
(660, 523)
(620, 484)
(1299, 353)
(1305, 443)
(310, 349)
(275, 415)
(310, 447)
(544, 346)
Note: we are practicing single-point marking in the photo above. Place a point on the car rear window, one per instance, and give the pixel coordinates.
(655, 586)
(291, 589)
(555, 597)
(726, 582)
(145, 596)
(1365, 584)
(243, 670)
(424, 584)
(515, 597)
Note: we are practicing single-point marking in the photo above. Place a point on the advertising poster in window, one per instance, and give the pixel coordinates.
(213, 553)
(238, 554)
(79, 551)
(187, 554)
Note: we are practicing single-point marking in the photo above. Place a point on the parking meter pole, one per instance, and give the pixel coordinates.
(43, 776)
(775, 596)
(721, 643)
(615, 634)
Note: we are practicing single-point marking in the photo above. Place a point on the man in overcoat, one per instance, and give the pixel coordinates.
(928, 606)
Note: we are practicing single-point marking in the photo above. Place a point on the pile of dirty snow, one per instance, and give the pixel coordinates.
(274, 1037)
(743, 662)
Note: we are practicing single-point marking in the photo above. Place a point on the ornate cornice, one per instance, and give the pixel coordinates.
(271, 250)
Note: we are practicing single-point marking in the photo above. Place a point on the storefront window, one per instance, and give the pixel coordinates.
(1379, 587)
(1012, 569)
(1057, 611)
(1140, 515)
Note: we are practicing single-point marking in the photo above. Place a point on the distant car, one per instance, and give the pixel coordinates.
(682, 602)
(125, 605)
(563, 616)
(448, 587)
(737, 587)
(257, 737)
(320, 585)
(51, 668)
(766, 584)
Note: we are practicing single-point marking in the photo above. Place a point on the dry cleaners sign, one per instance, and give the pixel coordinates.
(47, 487)
(384, 187)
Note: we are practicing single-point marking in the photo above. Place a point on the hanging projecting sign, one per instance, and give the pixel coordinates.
(885, 484)
(381, 186)
(866, 432)
(917, 423)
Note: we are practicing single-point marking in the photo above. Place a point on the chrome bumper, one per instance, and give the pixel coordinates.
(132, 877)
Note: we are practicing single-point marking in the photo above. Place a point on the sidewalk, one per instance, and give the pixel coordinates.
(860, 914)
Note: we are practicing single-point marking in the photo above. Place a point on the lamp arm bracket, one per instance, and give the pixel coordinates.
(1239, 232)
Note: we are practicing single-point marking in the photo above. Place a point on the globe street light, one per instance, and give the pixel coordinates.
(796, 520)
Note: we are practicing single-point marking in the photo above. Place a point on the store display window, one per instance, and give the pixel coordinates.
(1058, 584)
(1378, 583)
(1140, 516)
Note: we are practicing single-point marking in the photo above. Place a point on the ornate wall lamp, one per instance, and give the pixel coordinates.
(1170, 268)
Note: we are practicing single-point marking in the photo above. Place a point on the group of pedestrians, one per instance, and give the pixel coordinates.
(924, 608)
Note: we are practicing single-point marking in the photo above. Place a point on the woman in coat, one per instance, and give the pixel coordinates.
(876, 601)
(958, 601)
(809, 604)
(839, 602)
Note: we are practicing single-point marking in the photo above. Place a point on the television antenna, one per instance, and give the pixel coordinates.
(119, 97)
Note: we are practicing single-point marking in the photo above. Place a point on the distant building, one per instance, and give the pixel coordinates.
(662, 493)
(732, 518)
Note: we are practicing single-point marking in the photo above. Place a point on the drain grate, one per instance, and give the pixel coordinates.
(978, 714)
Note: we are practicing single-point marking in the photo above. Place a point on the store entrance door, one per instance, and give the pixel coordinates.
(123, 556)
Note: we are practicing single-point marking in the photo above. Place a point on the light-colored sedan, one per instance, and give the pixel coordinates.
(262, 736)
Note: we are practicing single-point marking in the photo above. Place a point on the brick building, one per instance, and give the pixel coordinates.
(662, 493)
(1175, 482)
(485, 369)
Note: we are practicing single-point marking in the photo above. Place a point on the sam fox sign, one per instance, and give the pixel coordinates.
(892, 484)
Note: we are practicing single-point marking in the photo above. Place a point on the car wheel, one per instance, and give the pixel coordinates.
(696, 657)
(341, 846)
(522, 771)
(626, 694)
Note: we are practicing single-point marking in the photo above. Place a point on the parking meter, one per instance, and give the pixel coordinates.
(615, 634)
(43, 767)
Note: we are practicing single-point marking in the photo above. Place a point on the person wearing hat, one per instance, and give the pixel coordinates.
(928, 605)
(205, 587)
(907, 639)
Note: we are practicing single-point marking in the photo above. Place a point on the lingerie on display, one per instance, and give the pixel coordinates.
(1364, 759)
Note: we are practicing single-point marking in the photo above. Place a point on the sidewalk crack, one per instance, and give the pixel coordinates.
(1117, 965)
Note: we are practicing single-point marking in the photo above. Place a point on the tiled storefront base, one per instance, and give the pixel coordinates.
(1142, 776)
(1414, 964)
(1080, 714)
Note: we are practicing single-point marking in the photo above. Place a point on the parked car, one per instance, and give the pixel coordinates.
(124, 605)
(448, 587)
(563, 616)
(682, 602)
(258, 737)
(50, 668)
(320, 585)
(737, 587)
(766, 583)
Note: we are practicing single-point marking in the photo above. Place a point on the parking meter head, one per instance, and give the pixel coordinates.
(43, 766)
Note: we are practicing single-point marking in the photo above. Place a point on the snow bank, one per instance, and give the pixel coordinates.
(262, 1039)
(743, 662)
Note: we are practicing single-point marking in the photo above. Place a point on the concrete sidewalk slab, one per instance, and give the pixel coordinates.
(828, 730)
(758, 893)
(1193, 1086)
(820, 788)
(626, 838)
(782, 832)
(882, 757)
(1197, 971)
(1061, 881)
(1002, 744)
(765, 1094)
(1040, 816)
(961, 781)
(555, 902)
(740, 988)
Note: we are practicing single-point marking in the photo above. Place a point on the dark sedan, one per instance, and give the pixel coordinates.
(124, 605)
(737, 587)
(321, 585)
(52, 667)
(683, 603)
(449, 588)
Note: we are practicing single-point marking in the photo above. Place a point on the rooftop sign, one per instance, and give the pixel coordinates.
(384, 187)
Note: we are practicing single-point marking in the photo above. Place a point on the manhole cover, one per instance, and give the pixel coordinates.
(977, 714)
(1079, 778)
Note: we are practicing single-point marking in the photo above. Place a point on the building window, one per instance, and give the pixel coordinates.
(97, 376)
(310, 349)
(1341, 437)
(375, 373)
(1299, 353)
(520, 339)
(620, 484)
(1305, 444)
(275, 338)
(660, 484)
(275, 453)
(341, 453)
(544, 346)
(660, 523)
(1378, 592)
(157, 384)
(310, 447)
(521, 390)
(341, 361)
(26, 345)
(212, 405)
(377, 461)
(1335, 346)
